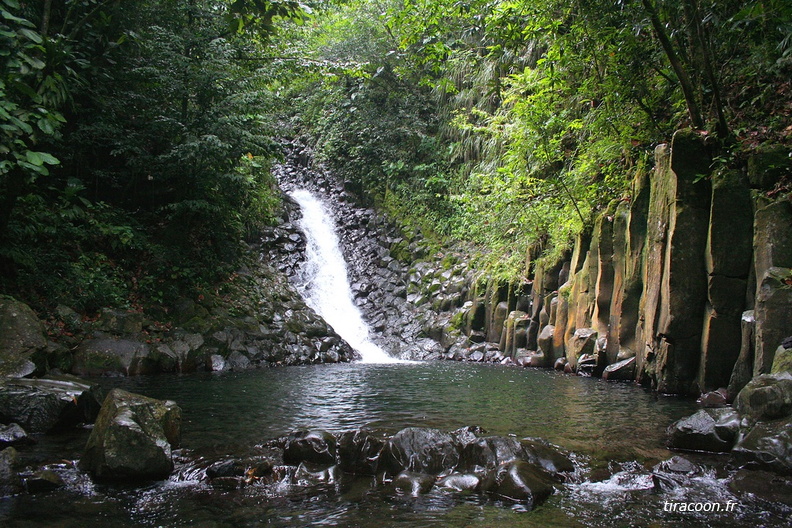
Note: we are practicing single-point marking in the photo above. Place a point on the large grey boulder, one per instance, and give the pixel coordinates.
(713, 430)
(766, 397)
(41, 405)
(105, 356)
(21, 336)
(132, 438)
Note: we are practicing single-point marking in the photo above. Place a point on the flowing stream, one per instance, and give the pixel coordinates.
(326, 287)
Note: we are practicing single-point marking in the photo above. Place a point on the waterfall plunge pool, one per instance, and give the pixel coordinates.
(616, 432)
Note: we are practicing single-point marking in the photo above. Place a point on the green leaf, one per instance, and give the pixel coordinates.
(40, 158)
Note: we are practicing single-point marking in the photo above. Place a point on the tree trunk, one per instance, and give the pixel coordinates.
(684, 80)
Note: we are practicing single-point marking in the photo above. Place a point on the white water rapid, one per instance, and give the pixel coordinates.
(327, 287)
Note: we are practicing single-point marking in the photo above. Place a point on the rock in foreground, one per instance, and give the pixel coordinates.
(132, 438)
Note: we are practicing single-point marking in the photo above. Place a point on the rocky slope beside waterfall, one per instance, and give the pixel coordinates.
(254, 320)
(405, 293)
(685, 287)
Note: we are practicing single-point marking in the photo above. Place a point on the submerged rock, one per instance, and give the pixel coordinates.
(132, 438)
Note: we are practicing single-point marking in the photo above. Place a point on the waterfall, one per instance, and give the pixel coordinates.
(327, 288)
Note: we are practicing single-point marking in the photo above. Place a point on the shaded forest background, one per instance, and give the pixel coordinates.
(137, 137)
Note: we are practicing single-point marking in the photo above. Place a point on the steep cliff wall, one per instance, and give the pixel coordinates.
(658, 291)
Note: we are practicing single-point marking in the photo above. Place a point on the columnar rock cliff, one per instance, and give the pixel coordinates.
(684, 287)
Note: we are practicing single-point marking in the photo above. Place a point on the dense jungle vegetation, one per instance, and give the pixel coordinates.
(137, 136)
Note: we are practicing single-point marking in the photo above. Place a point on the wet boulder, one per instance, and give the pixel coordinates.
(413, 484)
(21, 336)
(460, 482)
(132, 438)
(10, 483)
(41, 405)
(421, 450)
(521, 481)
(359, 452)
(490, 452)
(766, 397)
(765, 485)
(318, 447)
(674, 473)
(43, 480)
(713, 430)
(768, 445)
(547, 456)
(12, 434)
(782, 361)
(620, 371)
(113, 357)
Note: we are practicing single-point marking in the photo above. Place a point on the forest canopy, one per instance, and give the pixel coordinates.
(137, 137)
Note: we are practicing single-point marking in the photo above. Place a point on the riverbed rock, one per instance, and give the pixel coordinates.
(583, 342)
(546, 456)
(133, 438)
(782, 362)
(460, 482)
(765, 485)
(113, 357)
(713, 430)
(10, 483)
(121, 322)
(12, 434)
(318, 447)
(412, 483)
(768, 445)
(43, 481)
(21, 335)
(41, 405)
(520, 481)
(421, 450)
(359, 452)
(489, 452)
(620, 371)
(766, 397)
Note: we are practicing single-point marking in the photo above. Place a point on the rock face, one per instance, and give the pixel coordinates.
(132, 438)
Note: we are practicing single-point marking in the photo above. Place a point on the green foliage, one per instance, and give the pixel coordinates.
(164, 157)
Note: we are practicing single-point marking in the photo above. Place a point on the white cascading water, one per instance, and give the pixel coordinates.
(327, 288)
